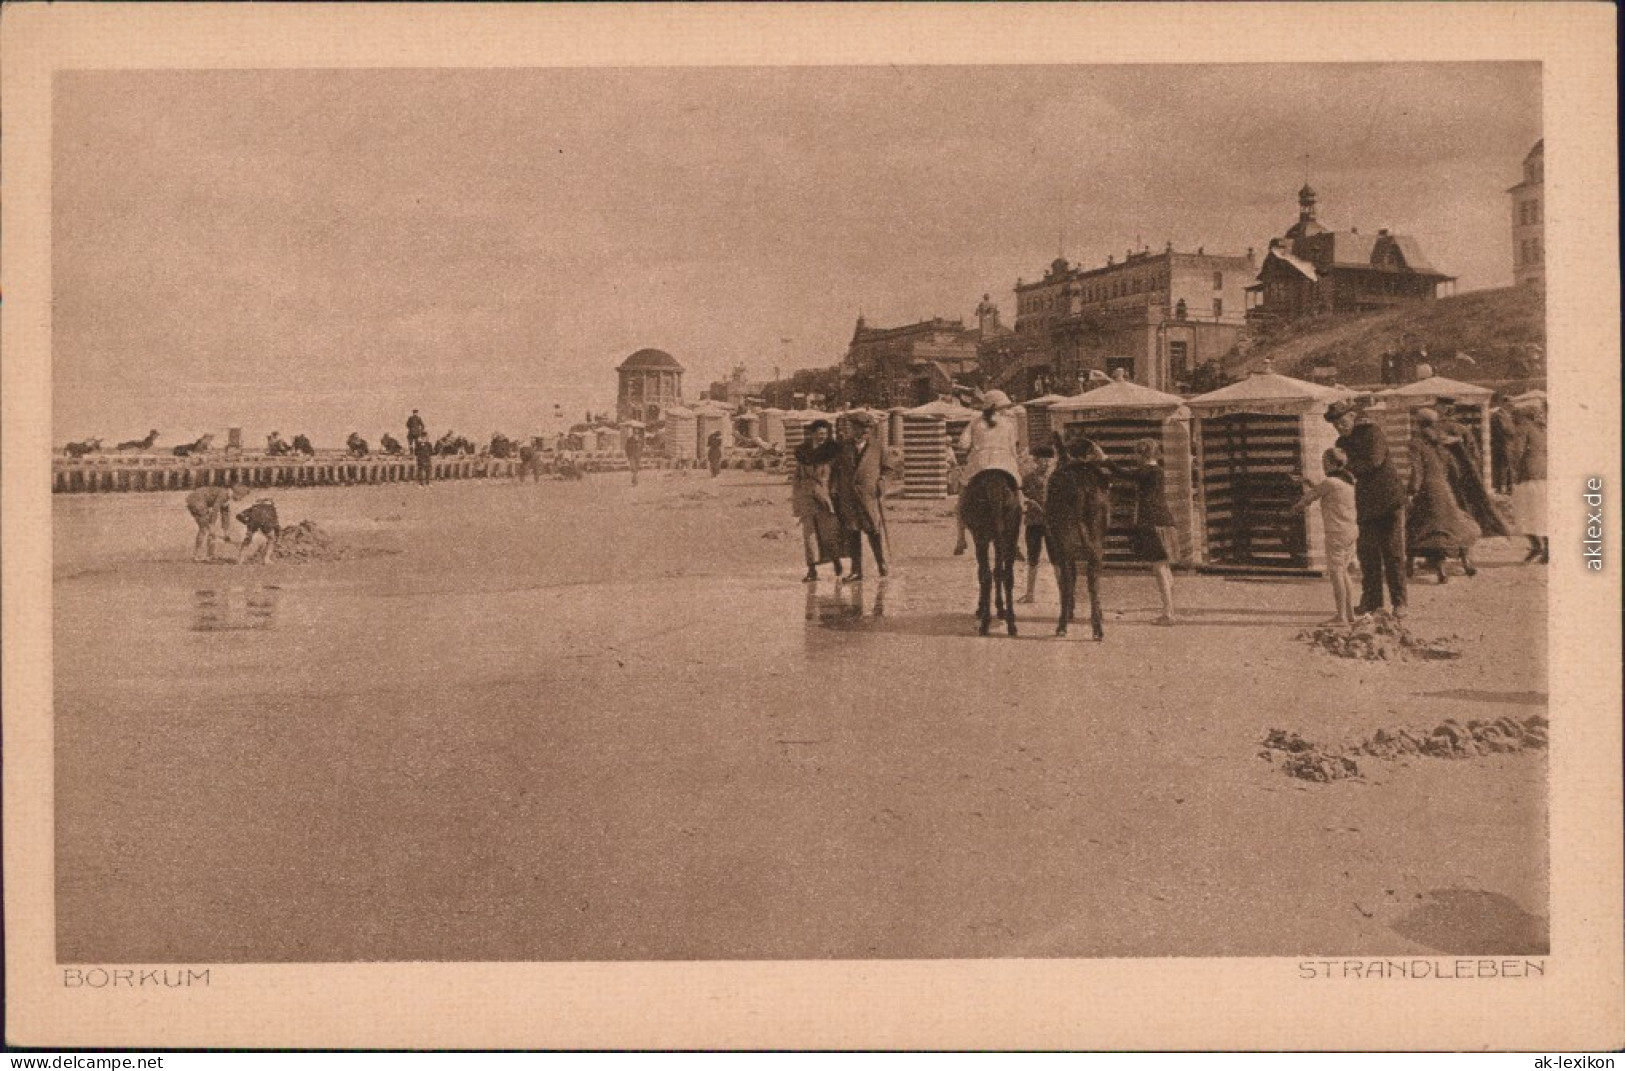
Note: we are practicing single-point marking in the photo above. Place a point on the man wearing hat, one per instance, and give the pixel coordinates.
(857, 481)
(1379, 507)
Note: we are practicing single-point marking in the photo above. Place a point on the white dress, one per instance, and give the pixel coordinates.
(991, 446)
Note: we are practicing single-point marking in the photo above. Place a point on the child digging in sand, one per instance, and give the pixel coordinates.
(260, 518)
(1335, 494)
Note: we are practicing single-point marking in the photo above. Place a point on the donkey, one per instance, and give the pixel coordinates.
(139, 446)
(1077, 512)
(991, 507)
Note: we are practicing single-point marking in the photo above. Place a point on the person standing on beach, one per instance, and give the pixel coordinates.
(1034, 487)
(713, 453)
(1379, 502)
(206, 505)
(1151, 534)
(1335, 494)
(634, 453)
(423, 451)
(1505, 443)
(1529, 482)
(857, 481)
(811, 501)
(415, 431)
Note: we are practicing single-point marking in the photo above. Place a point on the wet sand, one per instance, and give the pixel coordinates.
(589, 721)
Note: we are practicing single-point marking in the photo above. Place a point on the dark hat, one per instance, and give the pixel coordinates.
(1340, 409)
(815, 425)
(860, 418)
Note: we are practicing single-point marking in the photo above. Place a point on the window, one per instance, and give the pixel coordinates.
(1179, 309)
(1179, 357)
(1218, 280)
(1218, 307)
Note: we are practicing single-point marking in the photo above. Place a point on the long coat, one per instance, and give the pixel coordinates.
(1378, 487)
(1435, 522)
(858, 484)
(1530, 463)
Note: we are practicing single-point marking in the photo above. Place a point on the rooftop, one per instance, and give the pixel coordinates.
(650, 358)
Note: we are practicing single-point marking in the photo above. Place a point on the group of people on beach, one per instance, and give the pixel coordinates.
(1371, 514)
(838, 488)
(211, 507)
(837, 493)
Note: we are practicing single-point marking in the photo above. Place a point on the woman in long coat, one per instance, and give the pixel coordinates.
(1436, 527)
(811, 501)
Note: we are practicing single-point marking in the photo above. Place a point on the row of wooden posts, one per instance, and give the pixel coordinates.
(101, 473)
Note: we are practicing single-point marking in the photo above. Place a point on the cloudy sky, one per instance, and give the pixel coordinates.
(323, 250)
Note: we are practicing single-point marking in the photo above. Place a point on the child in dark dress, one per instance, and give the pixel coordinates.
(1152, 536)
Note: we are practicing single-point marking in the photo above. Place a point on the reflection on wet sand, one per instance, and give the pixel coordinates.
(234, 607)
(842, 605)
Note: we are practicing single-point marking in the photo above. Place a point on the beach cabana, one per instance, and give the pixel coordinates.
(1038, 420)
(680, 434)
(1469, 406)
(795, 424)
(894, 426)
(925, 454)
(954, 416)
(710, 418)
(772, 431)
(1118, 415)
(1253, 441)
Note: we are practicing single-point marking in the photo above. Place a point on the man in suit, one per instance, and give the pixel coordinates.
(1379, 507)
(857, 480)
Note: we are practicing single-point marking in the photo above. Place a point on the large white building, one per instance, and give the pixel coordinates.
(1529, 220)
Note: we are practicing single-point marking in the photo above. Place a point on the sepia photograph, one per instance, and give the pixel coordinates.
(636, 513)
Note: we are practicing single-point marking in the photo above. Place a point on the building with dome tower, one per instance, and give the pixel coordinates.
(1312, 269)
(651, 381)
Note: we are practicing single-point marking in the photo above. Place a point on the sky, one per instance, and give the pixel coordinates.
(323, 250)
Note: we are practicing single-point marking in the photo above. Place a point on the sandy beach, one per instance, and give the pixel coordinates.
(592, 721)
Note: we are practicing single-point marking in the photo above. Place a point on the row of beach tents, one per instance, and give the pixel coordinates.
(1233, 457)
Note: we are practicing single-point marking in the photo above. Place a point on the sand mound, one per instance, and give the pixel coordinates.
(1450, 739)
(1307, 761)
(775, 533)
(757, 502)
(307, 542)
(1381, 637)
